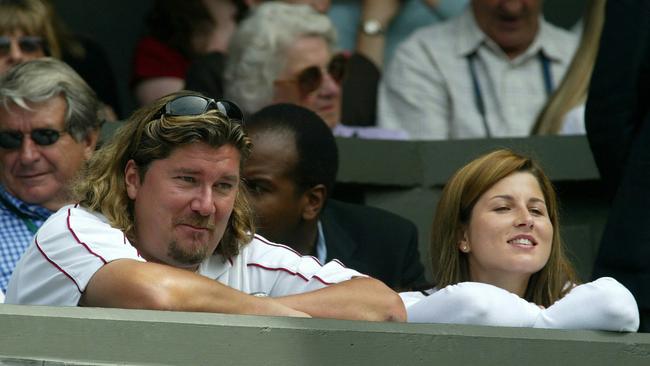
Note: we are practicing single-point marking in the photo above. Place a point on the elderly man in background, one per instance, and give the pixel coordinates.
(48, 129)
(486, 73)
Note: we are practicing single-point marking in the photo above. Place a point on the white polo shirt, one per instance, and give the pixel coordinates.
(74, 243)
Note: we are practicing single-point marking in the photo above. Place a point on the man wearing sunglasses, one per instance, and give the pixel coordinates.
(162, 224)
(48, 128)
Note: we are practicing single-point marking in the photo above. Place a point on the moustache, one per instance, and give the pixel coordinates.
(196, 221)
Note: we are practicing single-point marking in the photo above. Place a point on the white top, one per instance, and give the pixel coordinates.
(427, 88)
(74, 243)
(603, 304)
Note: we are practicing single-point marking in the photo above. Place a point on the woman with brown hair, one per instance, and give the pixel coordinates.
(498, 258)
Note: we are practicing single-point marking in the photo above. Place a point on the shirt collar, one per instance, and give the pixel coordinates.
(31, 210)
(321, 248)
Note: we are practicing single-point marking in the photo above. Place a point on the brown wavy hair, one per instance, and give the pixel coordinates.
(467, 185)
(144, 139)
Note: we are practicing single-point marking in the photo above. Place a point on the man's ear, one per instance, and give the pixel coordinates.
(313, 202)
(90, 143)
(132, 179)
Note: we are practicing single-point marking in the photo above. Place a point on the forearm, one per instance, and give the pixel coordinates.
(372, 46)
(474, 303)
(603, 304)
(137, 285)
(360, 298)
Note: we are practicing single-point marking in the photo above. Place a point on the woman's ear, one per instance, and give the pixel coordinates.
(463, 243)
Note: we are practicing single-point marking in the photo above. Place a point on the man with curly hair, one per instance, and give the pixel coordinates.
(161, 216)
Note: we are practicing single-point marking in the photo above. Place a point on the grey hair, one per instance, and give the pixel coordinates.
(256, 55)
(42, 79)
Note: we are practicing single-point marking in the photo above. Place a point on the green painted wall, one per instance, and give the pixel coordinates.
(88, 336)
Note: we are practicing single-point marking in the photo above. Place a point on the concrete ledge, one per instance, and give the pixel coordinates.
(92, 336)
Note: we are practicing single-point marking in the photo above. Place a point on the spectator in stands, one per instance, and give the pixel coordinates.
(290, 176)
(31, 29)
(618, 129)
(283, 53)
(180, 31)
(486, 73)
(163, 225)
(48, 128)
(565, 110)
(497, 256)
(362, 21)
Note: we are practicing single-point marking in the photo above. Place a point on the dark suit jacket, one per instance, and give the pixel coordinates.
(618, 129)
(374, 242)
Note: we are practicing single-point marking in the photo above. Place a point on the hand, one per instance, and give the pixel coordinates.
(275, 308)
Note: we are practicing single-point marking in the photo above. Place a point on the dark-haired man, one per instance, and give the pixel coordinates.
(290, 175)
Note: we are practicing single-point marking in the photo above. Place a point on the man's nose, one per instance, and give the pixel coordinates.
(203, 202)
(29, 151)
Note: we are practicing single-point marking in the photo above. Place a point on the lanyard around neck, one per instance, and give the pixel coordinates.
(479, 101)
(29, 223)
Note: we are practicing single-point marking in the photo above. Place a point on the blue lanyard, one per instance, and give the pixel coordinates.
(478, 94)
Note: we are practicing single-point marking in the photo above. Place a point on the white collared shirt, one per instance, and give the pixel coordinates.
(74, 243)
(428, 90)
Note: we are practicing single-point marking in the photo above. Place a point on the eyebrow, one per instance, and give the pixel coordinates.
(232, 177)
(508, 197)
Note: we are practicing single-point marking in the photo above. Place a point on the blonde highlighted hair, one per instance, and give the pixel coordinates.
(574, 86)
(143, 139)
(466, 186)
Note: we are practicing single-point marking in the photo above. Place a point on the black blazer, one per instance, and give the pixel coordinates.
(618, 129)
(374, 242)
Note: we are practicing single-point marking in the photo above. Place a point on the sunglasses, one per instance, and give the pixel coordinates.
(27, 44)
(12, 140)
(311, 78)
(194, 105)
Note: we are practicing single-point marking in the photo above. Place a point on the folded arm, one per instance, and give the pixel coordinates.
(474, 303)
(361, 298)
(126, 283)
(603, 304)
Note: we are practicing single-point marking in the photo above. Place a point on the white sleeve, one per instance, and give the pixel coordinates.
(2, 297)
(66, 252)
(412, 94)
(474, 303)
(278, 270)
(603, 304)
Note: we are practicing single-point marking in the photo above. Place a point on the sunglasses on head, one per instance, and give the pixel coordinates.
(13, 140)
(194, 105)
(310, 79)
(27, 44)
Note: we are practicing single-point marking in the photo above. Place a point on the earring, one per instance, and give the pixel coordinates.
(464, 248)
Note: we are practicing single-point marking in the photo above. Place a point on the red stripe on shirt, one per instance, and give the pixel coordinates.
(80, 242)
(263, 240)
(38, 246)
(290, 272)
